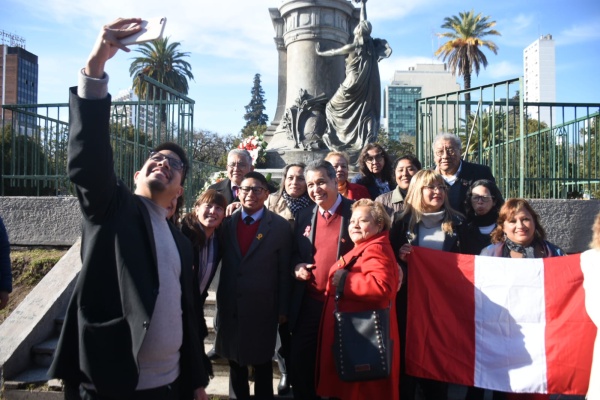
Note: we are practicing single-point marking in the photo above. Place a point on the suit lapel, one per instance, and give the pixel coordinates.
(313, 225)
(232, 233)
(150, 236)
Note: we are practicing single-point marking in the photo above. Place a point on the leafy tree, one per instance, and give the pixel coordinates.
(162, 61)
(590, 153)
(24, 157)
(256, 119)
(463, 49)
(211, 148)
(396, 148)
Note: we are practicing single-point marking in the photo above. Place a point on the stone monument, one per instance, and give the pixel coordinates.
(325, 101)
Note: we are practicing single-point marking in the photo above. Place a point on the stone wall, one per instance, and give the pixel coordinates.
(45, 221)
(568, 223)
(55, 221)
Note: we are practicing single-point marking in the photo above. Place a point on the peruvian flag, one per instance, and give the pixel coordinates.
(514, 325)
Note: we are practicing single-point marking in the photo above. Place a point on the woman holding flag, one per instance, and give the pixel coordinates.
(519, 234)
(428, 221)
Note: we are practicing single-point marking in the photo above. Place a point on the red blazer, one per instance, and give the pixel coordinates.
(357, 192)
(371, 283)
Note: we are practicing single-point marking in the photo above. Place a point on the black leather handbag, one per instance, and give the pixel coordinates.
(362, 348)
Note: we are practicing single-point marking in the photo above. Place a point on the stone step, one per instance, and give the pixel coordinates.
(32, 377)
(43, 353)
(210, 307)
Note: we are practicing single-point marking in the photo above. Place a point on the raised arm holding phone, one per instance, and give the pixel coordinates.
(130, 330)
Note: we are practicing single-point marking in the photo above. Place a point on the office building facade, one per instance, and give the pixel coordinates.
(539, 63)
(399, 97)
(18, 80)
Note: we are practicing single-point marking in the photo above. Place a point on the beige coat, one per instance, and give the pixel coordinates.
(280, 207)
(392, 201)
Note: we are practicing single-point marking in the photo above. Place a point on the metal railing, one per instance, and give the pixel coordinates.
(535, 150)
(35, 136)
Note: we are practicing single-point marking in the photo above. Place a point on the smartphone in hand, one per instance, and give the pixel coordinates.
(152, 29)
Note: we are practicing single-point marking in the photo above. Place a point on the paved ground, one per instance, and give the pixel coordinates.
(219, 387)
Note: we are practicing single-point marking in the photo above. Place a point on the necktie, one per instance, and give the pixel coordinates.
(248, 220)
(327, 215)
(234, 190)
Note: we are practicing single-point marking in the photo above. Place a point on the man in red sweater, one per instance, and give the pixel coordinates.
(321, 237)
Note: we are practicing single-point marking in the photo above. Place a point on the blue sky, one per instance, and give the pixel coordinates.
(231, 40)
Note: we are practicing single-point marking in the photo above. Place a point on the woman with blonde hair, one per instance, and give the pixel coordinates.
(590, 265)
(429, 221)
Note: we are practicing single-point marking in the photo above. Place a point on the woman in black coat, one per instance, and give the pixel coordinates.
(482, 204)
(200, 226)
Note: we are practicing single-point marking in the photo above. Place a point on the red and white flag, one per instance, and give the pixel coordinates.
(514, 325)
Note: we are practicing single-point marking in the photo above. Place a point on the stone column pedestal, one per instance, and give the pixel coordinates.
(299, 26)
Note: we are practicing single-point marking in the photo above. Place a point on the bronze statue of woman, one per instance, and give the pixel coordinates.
(354, 110)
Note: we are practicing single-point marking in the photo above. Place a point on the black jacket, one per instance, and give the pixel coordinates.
(114, 297)
(469, 173)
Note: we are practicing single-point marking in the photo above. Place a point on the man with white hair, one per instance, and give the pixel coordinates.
(458, 174)
(239, 163)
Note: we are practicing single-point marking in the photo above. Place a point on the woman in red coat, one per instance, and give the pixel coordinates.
(371, 283)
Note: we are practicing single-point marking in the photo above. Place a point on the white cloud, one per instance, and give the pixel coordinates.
(580, 33)
(504, 70)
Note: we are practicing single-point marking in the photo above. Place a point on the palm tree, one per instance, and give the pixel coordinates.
(163, 62)
(463, 49)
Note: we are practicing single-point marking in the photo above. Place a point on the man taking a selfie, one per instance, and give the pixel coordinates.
(130, 330)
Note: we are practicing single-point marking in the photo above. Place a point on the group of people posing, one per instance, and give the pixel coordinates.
(135, 325)
(377, 217)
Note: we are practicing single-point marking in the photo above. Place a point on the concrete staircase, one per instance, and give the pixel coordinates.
(33, 382)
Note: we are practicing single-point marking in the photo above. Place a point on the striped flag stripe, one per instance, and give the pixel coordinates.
(513, 325)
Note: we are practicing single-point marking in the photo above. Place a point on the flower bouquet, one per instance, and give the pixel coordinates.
(256, 146)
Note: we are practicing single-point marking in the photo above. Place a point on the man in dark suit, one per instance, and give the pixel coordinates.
(321, 237)
(458, 174)
(130, 331)
(254, 289)
(239, 163)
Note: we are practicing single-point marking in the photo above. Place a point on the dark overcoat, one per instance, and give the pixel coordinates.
(253, 289)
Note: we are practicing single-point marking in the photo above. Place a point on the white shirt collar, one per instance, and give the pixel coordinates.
(334, 207)
(450, 179)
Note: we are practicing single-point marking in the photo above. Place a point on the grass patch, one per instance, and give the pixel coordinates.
(29, 266)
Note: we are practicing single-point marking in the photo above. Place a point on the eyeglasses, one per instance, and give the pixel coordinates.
(483, 199)
(449, 151)
(257, 190)
(239, 165)
(439, 189)
(174, 163)
(372, 159)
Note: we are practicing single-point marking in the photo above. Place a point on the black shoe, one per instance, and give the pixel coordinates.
(284, 385)
(212, 355)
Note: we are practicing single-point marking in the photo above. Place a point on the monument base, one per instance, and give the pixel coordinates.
(281, 152)
(281, 158)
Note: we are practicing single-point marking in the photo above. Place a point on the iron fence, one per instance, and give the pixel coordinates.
(535, 150)
(35, 137)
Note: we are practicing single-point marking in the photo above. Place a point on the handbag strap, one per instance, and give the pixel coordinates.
(339, 291)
